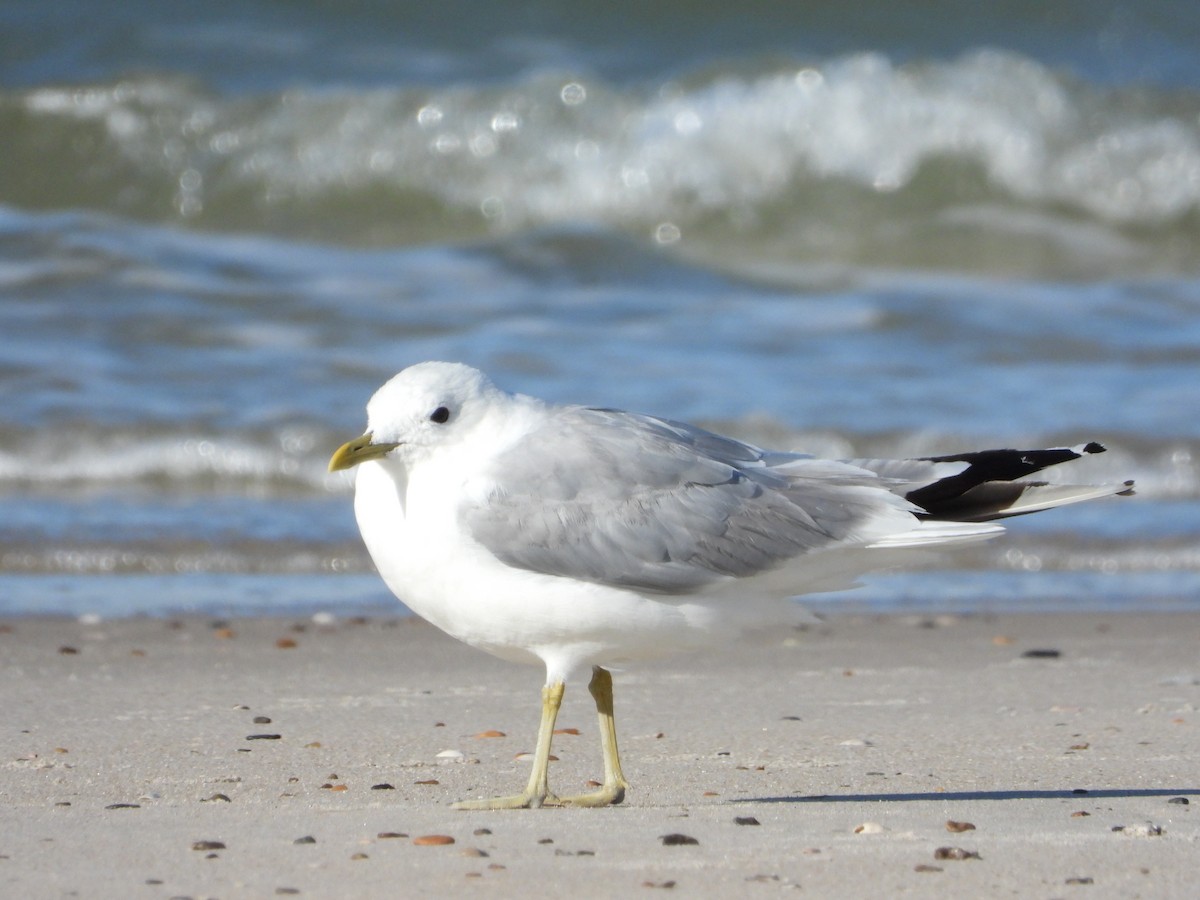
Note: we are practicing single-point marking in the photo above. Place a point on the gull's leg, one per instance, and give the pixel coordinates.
(537, 792)
(613, 789)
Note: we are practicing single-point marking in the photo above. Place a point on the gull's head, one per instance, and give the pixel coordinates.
(424, 407)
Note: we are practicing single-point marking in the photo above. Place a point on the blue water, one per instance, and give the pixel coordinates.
(865, 233)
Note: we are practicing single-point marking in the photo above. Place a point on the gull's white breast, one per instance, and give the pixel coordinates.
(411, 529)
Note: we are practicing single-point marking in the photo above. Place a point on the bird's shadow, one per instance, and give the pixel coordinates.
(958, 796)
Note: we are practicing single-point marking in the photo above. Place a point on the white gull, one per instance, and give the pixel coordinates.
(582, 538)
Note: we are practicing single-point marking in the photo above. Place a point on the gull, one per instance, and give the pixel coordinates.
(581, 538)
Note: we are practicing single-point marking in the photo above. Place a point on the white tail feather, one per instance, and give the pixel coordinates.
(928, 533)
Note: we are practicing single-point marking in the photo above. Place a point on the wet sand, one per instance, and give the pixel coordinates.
(276, 757)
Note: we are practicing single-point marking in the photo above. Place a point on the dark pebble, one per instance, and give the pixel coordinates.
(1084, 880)
(677, 840)
(262, 720)
(791, 719)
(222, 798)
(955, 853)
(1079, 791)
(1041, 654)
(479, 831)
(307, 839)
(124, 806)
(383, 787)
(263, 737)
(1182, 801)
(925, 867)
(208, 845)
(746, 820)
(545, 840)
(574, 852)
(67, 651)
(282, 891)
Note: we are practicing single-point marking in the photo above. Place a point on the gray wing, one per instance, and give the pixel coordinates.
(647, 503)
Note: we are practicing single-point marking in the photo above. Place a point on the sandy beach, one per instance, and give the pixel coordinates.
(272, 757)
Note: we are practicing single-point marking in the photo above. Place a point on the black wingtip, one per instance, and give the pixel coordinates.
(1094, 447)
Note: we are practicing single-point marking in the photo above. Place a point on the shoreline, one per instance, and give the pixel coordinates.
(852, 742)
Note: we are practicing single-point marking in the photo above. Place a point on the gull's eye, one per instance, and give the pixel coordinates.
(441, 415)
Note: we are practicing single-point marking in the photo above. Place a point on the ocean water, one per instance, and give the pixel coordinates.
(862, 233)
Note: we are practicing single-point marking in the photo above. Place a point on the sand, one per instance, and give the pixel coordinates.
(277, 757)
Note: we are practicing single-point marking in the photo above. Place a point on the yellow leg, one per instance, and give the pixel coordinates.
(537, 791)
(615, 785)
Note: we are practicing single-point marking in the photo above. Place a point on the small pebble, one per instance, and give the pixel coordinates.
(264, 737)
(661, 884)
(1079, 814)
(383, 787)
(472, 851)
(956, 827)
(262, 720)
(358, 856)
(491, 733)
(427, 781)
(746, 820)
(67, 651)
(566, 731)
(217, 798)
(677, 840)
(285, 643)
(307, 839)
(925, 867)
(1146, 830)
(385, 835)
(282, 891)
(955, 853)
(1086, 879)
(1182, 801)
(124, 806)
(870, 828)
(433, 840)
(1041, 654)
(208, 845)
(481, 831)
(451, 756)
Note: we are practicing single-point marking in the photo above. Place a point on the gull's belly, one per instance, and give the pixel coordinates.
(457, 585)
